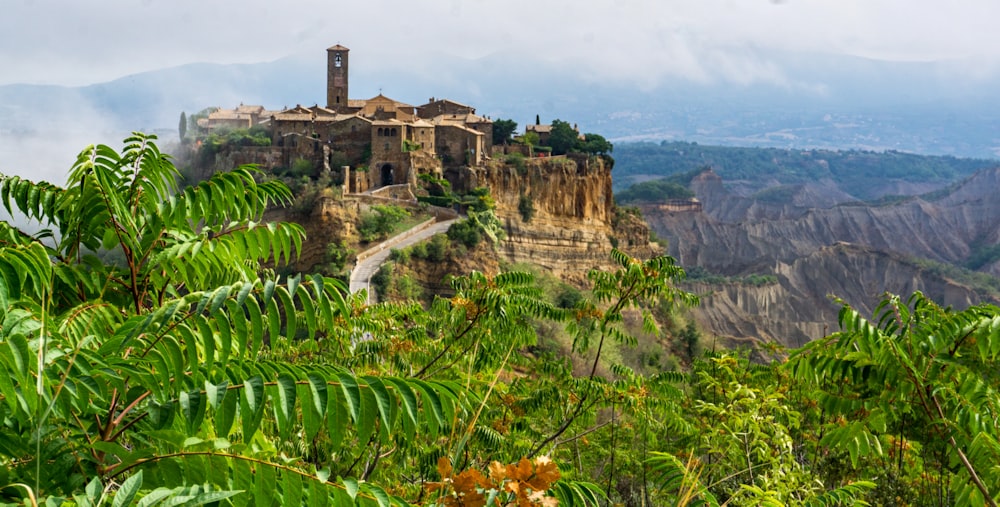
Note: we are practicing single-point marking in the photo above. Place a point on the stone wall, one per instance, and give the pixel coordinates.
(458, 145)
(351, 137)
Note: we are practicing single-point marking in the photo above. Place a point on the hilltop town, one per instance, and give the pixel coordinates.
(386, 141)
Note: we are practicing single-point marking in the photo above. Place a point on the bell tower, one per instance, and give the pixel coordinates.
(336, 77)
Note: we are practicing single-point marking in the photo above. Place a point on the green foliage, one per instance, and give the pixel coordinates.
(439, 190)
(984, 284)
(437, 248)
(465, 232)
(531, 140)
(700, 274)
(481, 220)
(409, 146)
(503, 130)
(653, 191)
(223, 138)
(517, 161)
(380, 222)
(301, 167)
(150, 357)
(381, 279)
(983, 254)
(916, 374)
(182, 126)
(337, 255)
(526, 207)
(593, 144)
(563, 137)
(184, 372)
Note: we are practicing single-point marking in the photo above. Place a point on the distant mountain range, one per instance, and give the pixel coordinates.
(820, 101)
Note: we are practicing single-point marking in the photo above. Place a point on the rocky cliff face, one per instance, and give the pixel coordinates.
(852, 251)
(800, 305)
(572, 227)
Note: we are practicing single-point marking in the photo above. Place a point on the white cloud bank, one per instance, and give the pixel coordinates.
(641, 41)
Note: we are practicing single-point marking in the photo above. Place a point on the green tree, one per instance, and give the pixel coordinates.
(182, 126)
(563, 137)
(531, 140)
(594, 144)
(915, 375)
(503, 130)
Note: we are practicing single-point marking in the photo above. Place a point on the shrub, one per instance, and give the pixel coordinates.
(337, 254)
(526, 207)
(437, 248)
(568, 297)
(465, 233)
(400, 255)
(380, 222)
(419, 250)
(380, 280)
(302, 167)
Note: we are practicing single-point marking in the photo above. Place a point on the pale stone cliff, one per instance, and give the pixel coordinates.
(574, 225)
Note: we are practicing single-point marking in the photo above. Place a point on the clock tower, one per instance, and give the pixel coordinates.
(336, 77)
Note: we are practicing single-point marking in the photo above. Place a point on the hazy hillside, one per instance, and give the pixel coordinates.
(860, 174)
(769, 262)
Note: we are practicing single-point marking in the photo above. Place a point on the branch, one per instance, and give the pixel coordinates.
(965, 460)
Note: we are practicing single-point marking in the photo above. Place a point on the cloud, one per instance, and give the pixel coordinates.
(637, 40)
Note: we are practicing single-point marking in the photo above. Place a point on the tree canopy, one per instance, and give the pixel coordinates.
(563, 137)
(503, 131)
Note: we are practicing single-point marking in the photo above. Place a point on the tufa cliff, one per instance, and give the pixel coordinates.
(559, 213)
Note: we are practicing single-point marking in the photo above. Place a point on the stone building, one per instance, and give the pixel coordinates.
(391, 142)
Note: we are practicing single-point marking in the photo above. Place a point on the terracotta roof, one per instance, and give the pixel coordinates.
(345, 117)
(449, 101)
(462, 127)
(337, 47)
(420, 122)
(474, 118)
(227, 114)
(538, 128)
(293, 115)
(394, 101)
(250, 109)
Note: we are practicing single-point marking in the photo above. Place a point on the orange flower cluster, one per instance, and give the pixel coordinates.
(522, 484)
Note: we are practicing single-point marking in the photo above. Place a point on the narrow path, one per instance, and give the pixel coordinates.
(362, 273)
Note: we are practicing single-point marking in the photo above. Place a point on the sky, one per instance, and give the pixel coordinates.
(632, 41)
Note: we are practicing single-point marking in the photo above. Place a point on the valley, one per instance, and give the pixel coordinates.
(813, 241)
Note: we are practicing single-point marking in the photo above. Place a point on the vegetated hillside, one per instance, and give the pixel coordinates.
(860, 174)
(801, 255)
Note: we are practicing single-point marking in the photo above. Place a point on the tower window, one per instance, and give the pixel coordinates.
(337, 60)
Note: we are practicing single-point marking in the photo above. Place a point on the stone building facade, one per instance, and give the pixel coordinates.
(381, 139)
